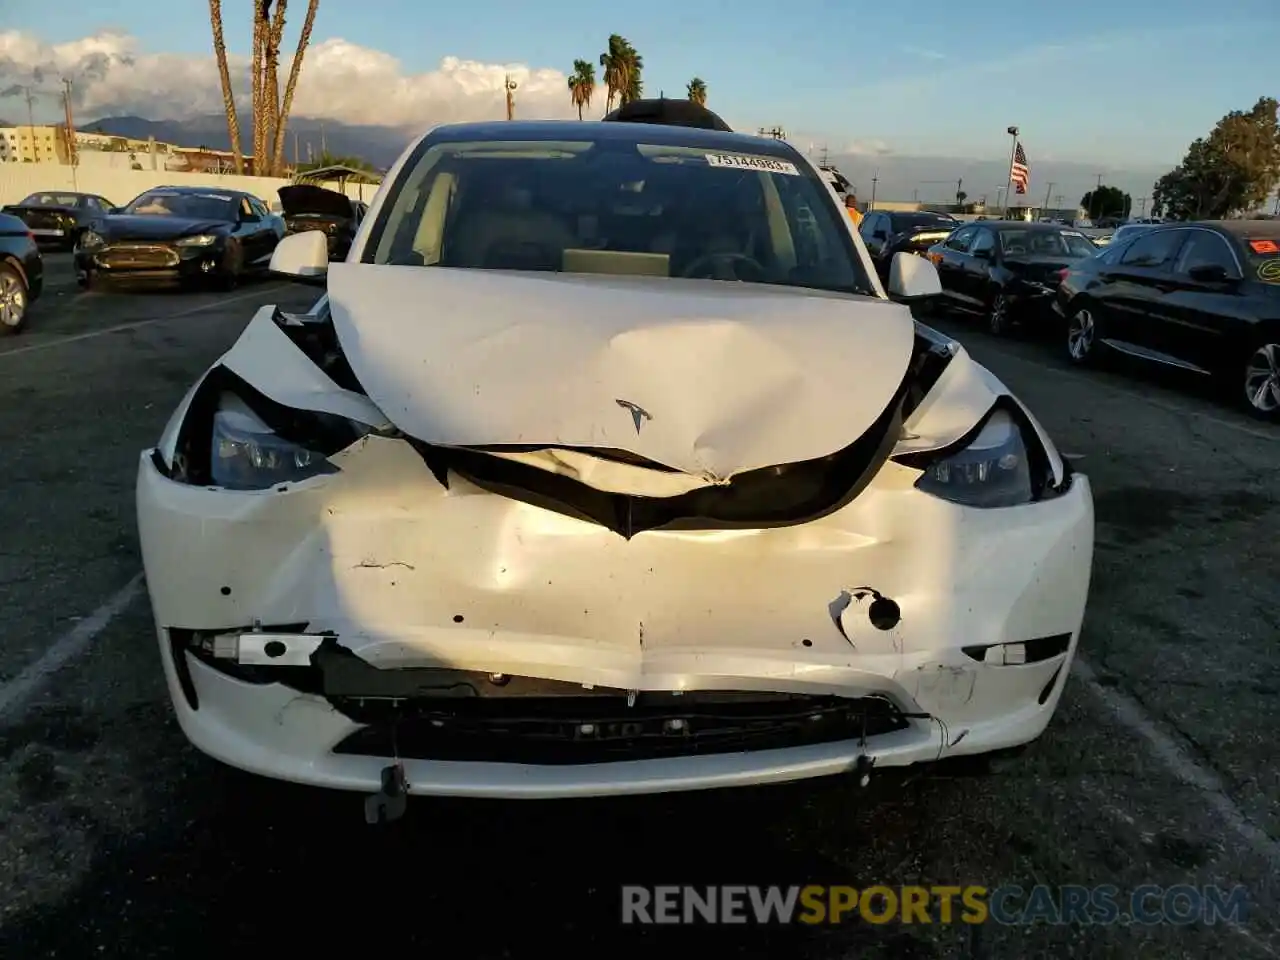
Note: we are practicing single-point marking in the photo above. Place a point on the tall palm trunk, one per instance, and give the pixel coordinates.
(224, 74)
(271, 84)
(261, 31)
(294, 70)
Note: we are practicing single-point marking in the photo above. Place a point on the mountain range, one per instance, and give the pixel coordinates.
(927, 179)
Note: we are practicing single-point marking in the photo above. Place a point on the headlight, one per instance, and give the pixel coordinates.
(993, 471)
(89, 240)
(246, 455)
(202, 240)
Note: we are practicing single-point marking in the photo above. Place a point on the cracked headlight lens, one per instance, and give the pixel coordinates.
(247, 455)
(993, 471)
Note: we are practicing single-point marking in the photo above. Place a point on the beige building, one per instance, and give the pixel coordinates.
(38, 144)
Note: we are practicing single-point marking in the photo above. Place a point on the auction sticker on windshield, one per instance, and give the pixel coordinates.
(739, 162)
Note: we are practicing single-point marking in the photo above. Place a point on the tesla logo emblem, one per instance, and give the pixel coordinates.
(638, 413)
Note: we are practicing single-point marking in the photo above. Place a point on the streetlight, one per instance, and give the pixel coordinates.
(511, 102)
(1013, 152)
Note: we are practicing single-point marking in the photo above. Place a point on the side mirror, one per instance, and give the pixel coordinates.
(303, 257)
(913, 278)
(880, 235)
(115, 211)
(988, 254)
(1210, 273)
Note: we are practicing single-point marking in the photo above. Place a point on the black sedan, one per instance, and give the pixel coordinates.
(309, 207)
(187, 234)
(58, 217)
(21, 273)
(1202, 297)
(1007, 270)
(885, 234)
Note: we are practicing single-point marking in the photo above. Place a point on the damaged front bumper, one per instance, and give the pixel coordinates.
(318, 630)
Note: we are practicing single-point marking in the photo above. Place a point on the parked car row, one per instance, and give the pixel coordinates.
(185, 234)
(1201, 297)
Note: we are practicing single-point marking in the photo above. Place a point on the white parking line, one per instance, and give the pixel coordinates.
(1178, 762)
(15, 694)
(1257, 433)
(75, 338)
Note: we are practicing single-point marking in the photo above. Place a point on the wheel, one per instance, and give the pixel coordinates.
(13, 299)
(228, 276)
(999, 316)
(1082, 335)
(1261, 382)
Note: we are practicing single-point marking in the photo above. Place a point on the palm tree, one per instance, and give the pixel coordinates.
(614, 62)
(582, 84)
(261, 29)
(631, 90)
(228, 96)
(282, 115)
(697, 90)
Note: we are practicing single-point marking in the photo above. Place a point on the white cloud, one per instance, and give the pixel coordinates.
(112, 75)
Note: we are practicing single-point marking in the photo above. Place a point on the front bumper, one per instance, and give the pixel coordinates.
(406, 574)
(158, 261)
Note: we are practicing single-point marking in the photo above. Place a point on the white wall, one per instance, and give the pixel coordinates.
(18, 180)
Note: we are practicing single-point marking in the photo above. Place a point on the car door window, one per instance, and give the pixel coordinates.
(1205, 249)
(983, 242)
(868, 227)
(961, 239)
(1152, 251)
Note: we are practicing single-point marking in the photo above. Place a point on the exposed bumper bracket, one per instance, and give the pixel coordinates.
(268, 649)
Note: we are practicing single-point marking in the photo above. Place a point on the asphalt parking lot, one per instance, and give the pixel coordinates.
(117, 840)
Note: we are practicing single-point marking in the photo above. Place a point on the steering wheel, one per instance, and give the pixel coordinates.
(729, 261)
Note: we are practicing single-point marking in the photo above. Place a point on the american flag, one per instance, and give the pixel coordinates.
(1019, 173)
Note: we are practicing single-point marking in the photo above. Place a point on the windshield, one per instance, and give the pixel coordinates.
(194, 206)
(1046, 243)
(620, 208)
(1264, 255)
(50, 200)
(915, 222)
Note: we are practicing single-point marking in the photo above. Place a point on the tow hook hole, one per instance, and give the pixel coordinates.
(457, 618)
(884, 613)
(274, 648)
(806, 642)
(226, 591)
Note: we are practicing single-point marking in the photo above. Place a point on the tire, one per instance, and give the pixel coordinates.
(1258, 380)
(1083, 334)
(14, 300)
(999, 316)
(228, 277)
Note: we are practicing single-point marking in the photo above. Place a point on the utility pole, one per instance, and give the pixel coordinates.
(1142, 207)
(959, 190)
(777, 133)
(1048, 191)
(69, 131)
(875, 178)
(31, 119)
(510, 86)
(1093, 197)
(825, 160)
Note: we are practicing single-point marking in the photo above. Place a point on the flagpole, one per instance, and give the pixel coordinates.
(1013, 132)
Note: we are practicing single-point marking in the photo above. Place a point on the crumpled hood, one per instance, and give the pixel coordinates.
(147, 227)
(300, 199)
(705, 377)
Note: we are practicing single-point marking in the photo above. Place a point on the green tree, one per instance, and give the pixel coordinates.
(582, 84)
(1234, 169)
(1106, 201)
(697, 90)
(622, 67)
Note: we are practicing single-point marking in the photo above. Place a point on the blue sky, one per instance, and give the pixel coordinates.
(1128, 82)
